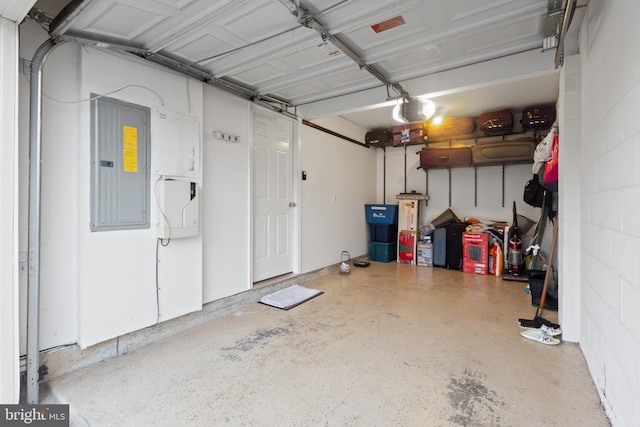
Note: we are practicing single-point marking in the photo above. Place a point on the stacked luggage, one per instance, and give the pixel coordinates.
(490, 139)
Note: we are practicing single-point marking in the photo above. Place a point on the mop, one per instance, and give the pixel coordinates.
(538, 320)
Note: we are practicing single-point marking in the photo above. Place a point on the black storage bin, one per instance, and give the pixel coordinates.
(383, 233)
(536, 283)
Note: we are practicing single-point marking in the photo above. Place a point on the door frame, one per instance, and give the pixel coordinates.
(294, 151)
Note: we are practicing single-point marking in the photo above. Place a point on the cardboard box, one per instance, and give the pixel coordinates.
(424, 254)
(475, 253)
(407, 240)
(408, 214)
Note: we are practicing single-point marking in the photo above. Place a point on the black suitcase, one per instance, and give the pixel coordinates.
(496, 122)
(454, 245)
(538, 117)
(379, 138)
(440, 247)
(501, 152)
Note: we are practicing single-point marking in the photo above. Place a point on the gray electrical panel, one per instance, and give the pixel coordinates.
(120, 157)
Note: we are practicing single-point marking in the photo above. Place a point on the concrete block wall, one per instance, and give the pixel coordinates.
(610, 202)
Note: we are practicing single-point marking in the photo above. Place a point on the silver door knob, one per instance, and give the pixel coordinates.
(292, 205)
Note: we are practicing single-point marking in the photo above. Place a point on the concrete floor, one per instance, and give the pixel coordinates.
(387, 345)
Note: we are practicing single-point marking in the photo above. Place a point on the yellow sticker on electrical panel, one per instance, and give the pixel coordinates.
(130, 149)
(130, 138)
(130, 160)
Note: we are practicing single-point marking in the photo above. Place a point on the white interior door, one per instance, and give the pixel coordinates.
(272, 196)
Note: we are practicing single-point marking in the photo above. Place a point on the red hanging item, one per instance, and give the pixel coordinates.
(551, 166)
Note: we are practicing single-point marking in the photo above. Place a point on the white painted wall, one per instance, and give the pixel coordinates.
(9, 362)
(610, 202)
(116, 270)
(99, 285)
(570, 209)
(341, 179)
(226, 201)
(485, 203)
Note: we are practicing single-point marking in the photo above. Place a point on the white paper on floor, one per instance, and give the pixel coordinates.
(289, 297)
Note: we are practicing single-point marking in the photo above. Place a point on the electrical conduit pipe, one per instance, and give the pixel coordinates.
(33, 286)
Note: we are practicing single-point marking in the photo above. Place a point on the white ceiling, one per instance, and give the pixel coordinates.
(468, 56)
(15, 10)
(494, 95)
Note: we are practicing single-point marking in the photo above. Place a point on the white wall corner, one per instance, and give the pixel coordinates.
(9, 336)
(569, 268)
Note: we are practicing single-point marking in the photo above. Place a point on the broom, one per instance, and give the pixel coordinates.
(538, 320)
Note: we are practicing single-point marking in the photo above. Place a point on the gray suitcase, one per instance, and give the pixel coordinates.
(440, 247)
(501, 152)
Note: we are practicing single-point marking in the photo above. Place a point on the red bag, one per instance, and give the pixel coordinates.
(551, 166)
